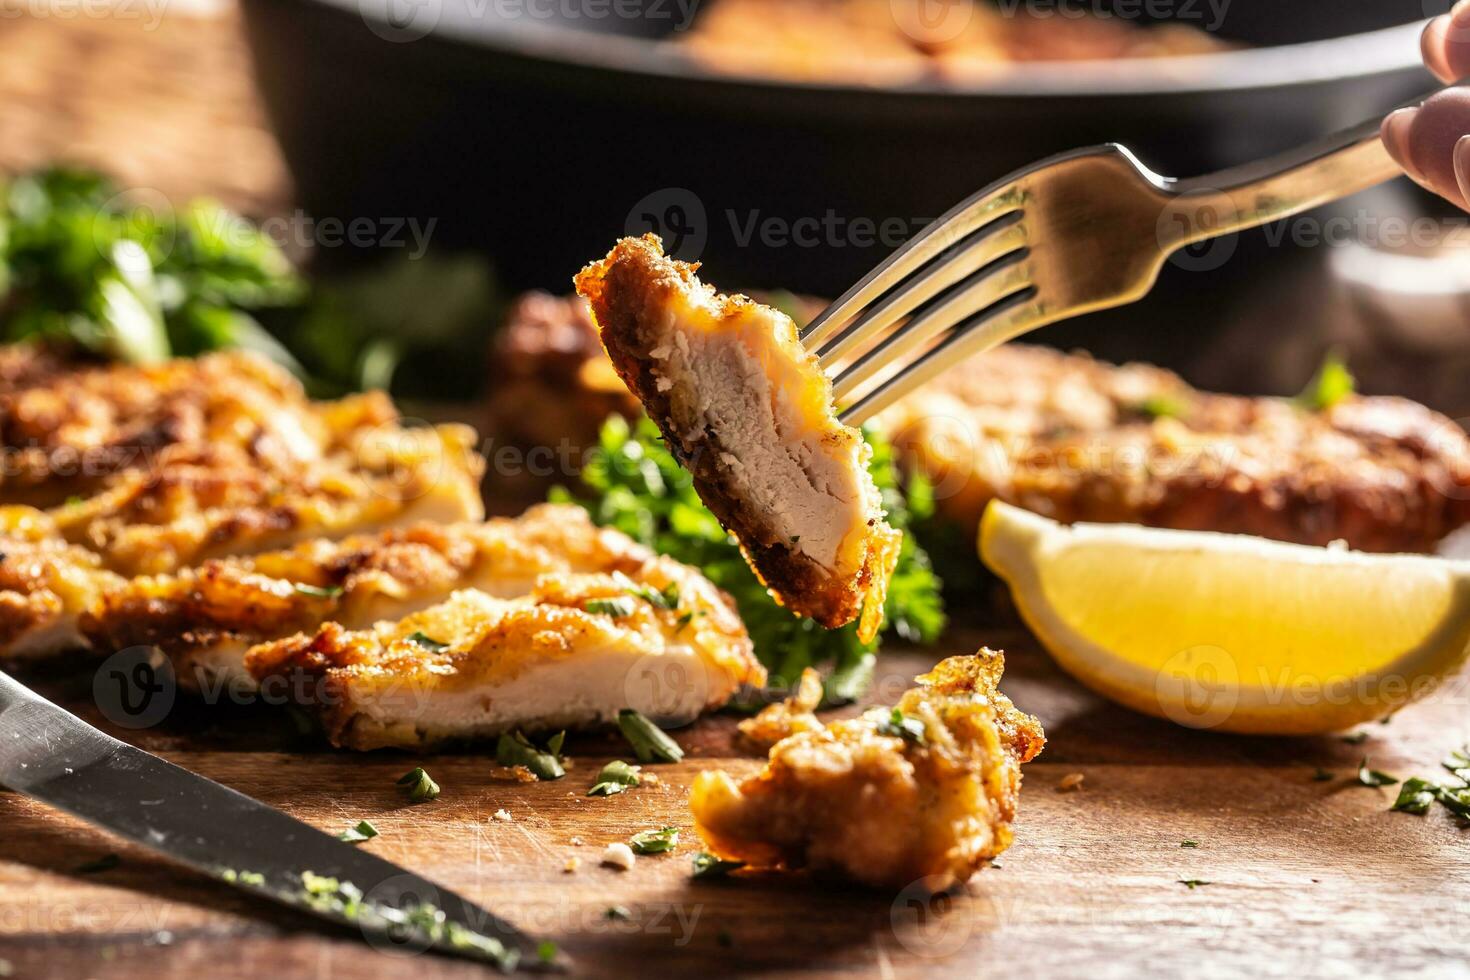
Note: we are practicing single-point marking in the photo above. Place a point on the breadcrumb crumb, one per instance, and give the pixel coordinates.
(503, 816)
(1071, 781)
(618, 855)
(573, 863)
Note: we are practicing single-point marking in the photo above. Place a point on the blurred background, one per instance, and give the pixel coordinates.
(423, 163)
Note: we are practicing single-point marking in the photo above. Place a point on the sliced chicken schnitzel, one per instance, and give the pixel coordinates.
(1079, 440)
(571, 654)
(45, 584)
(195, 505)
(66, 427)
(921, 793)
(205, 619)
(749, 412)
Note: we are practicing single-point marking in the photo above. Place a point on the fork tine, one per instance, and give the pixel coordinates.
(990, 243)
(956, 224)
(992, 328)
(1005, 278)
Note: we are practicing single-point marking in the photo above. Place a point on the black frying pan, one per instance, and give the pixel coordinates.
(539, 140)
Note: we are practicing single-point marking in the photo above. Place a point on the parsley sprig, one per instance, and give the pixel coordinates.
(633, 483)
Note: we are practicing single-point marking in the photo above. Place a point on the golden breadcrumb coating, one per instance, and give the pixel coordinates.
(571, 653)
(925, 808)
(749, 413)
(196, 505)
(65, 428)
(45, 585)
(205, 619)
(785, 718)
(1076, 439)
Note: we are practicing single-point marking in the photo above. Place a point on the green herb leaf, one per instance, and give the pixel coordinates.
(1415, 796)
(514, 749)
(1189, 843)
(105, 863)
(318, 591)
(667, 598)
(615, 777)
(1161, 407)
(617, 607)
(908, 729)
(706, 865)
(650, 743)
(1372, 777)
(1193, 883)
(417, 785)
(546, 951)
(555, 742)
(654, 841)
(633, 483)
(1332, 383)
(359, 833)
(428, 642)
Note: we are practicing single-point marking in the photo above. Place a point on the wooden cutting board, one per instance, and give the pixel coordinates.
(1306, 877)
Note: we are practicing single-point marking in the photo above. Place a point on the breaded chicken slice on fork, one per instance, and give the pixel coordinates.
(205, 619)
(749, 412)
(571, 654)
(923, 793)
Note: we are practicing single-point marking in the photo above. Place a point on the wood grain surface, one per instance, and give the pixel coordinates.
(1306, 878)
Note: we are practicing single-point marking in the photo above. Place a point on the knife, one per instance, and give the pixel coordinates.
(52, 755)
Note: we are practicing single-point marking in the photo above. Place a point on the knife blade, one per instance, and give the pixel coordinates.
(52, 755)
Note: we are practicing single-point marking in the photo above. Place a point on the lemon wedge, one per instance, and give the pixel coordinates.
(1232, 632)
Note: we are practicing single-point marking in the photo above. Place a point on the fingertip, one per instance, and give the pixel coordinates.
(1433, 43)
(1395, 134)
(1462, 166)
(1453, 43)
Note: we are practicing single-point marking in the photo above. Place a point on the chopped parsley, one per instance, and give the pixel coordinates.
(546, 951)
(667, 598)
(1193, 883)
(908, 729)
(417, 786)
(633, 483)
(617, 607)
(650, 743)
(1415, 796)
(428, 642)
(360, 832)
(105, 863)
(1189, 843)
(706, 865)
(1160, 407)
(654, 841)
(414, 920)
(1331, 384)
(318, 591)
(615, 777)
(1373, 777)
(254, 878)
(515, 749)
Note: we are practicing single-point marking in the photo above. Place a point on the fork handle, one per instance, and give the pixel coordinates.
(1278, 187)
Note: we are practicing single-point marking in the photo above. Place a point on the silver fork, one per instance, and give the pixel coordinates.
(1079, 232)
